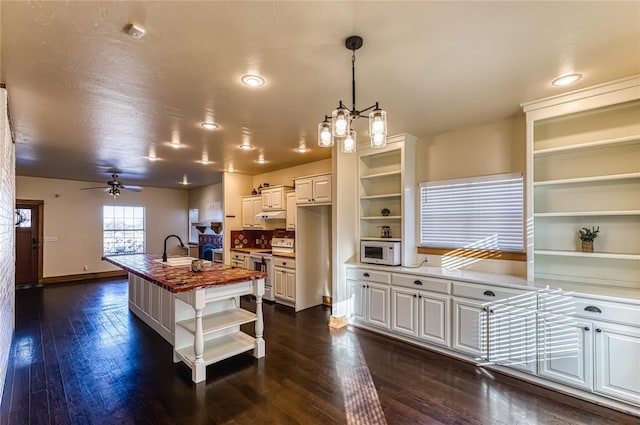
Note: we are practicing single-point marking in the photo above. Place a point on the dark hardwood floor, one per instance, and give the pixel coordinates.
(80, 357)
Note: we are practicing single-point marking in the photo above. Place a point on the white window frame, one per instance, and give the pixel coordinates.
(124, 229)
(488, 234)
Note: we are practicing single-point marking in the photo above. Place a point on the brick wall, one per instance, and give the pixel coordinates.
(7, 238)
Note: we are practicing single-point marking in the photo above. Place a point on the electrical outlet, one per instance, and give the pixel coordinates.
(85, 268)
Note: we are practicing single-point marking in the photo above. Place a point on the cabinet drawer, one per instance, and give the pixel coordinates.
(289, 263)
(238, 255)
(421, 282)
(491, 293)
(626, 314)
(369, 275)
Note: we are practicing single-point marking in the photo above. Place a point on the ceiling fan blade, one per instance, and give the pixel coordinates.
(97, 187)
(131, 188)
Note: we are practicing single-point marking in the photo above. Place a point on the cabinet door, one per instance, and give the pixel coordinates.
(265, 197)
(356, 300)
(279, 283)
(276, 198)
(377, 311)
(322, 189)
(290, 285)
(434, 320)
(565, 350)
(257, 208)
(291, 210)
(304, 191)
(469, 327)
(237, 263)
(512, 337)
(155, 303)
(248, 217)
(404, 311)
(618, 361)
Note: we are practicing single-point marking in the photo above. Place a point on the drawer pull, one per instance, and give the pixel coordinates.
(284, 263)
(417, 282)
(592, 309)
(365, 274)
(598, 330)
(415, 295)
(489, 293)
(586, 328)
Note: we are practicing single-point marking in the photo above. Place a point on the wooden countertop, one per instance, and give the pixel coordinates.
(250, 250)
(181, 278)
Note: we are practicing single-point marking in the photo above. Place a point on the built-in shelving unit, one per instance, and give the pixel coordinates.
(386, 179)
(583, 167)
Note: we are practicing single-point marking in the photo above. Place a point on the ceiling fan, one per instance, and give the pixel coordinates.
(114, 186)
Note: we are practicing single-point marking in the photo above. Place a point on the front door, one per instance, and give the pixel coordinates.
(27, 243)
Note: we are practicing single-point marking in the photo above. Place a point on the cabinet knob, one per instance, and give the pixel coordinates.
(598, 330)
(365, 274)
(417, 282)
(586, 328)
(415, 295)
(489, 293)
(284, 264)
(592, 309)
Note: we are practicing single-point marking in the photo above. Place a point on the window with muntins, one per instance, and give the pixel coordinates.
(123, 230)
(481, 213)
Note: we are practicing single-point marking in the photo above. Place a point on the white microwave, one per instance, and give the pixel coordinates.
(380, 252)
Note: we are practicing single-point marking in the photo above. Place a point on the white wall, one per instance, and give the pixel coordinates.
(75, 217)
(7, 238)
(491, 148)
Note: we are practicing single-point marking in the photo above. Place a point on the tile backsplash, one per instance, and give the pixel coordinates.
(258, 238)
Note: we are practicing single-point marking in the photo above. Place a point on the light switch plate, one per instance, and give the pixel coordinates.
(51, 239)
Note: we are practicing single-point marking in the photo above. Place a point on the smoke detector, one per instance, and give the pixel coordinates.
(135, 31)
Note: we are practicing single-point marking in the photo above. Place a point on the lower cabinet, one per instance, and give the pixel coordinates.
(369, 303)
(470, 327)
(240, 259)
(284, 280)
(595, 356)
(152, 304)
(420, 314)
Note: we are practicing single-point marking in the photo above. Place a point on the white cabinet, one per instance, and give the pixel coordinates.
(581, 348)
(369, 301)
(377, 311)
(273, 198)
(583, 171)
(240, 259)
(386, 181)
(470, 327)
(153, 304)
(251, 206)
(291, 211)
(284, 270)
(420, 314)
(313, 190)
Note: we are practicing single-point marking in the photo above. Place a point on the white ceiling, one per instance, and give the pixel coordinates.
(86, 99)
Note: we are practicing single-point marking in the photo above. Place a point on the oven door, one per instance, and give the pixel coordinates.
(264, 264)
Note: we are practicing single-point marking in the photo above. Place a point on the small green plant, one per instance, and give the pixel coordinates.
(385, 211)
(588, 235)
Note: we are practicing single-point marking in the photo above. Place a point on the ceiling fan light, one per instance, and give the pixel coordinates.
(349, 142)
(325, 139)
(340, 122)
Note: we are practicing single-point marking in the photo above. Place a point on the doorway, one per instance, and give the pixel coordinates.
(28, 227)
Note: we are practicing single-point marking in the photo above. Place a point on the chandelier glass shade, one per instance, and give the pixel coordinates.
(338, 126)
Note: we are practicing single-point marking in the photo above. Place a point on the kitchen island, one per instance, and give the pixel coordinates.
(198, 313)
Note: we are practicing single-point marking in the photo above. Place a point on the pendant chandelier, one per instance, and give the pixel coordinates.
(337, 127)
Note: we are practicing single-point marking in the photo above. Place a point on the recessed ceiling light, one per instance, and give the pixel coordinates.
(302, 149)
(184, 180)
(152, 158)
(565, 80)
(252, 80)
(261, 159)
(246, 146)
(210, 125)
(230, 169)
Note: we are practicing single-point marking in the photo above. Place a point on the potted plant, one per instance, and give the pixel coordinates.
(385, 212)
(587, 236)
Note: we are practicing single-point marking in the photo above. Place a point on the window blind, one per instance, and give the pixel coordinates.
(481, 213)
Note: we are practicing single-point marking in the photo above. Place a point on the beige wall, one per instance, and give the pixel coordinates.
(7, 236)
(492, 148)
(208, 201)
(234, 186)
(285, 176)
(75, 217)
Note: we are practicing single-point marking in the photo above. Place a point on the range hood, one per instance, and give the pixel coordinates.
(270, 215)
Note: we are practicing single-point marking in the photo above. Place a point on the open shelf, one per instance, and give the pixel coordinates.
(219, 321)
(635, 257)
(589, 145)
(219, 348)
(384, 196)
(382, 217)
(588, 213)
(365, 238)
(593, 179)
(380, 175)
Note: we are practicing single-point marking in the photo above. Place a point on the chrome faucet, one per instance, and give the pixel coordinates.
(164, 251)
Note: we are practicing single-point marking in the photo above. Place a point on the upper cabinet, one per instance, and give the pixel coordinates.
(386, 180)
(583, 171)
(291, 211)
(273, 198)
(313, 190)
(251, 206)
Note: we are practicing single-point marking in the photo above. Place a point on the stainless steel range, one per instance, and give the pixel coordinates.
(263, 261)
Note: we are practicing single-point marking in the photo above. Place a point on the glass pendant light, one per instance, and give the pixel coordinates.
(325, 139)
(378, 127)
(349, 142)
(340, 121)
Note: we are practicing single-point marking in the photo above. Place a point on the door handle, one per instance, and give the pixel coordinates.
(489, 293)
(592, 309)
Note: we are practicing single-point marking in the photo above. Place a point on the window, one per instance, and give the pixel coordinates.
(483, 213)
(23, 217)
(122, 230)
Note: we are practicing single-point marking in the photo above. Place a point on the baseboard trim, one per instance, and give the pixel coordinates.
(81, 276)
